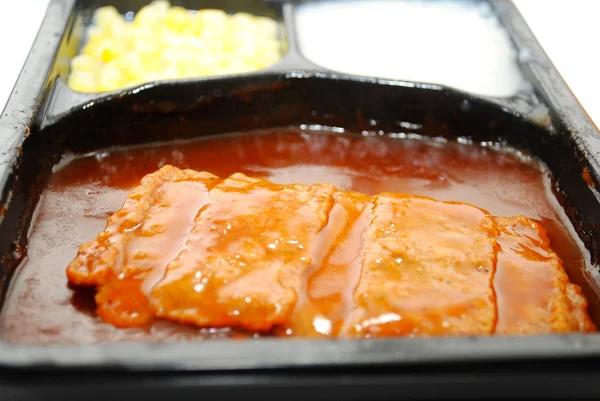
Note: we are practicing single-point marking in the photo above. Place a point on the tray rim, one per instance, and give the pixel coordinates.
(237, 356)
(251, 354)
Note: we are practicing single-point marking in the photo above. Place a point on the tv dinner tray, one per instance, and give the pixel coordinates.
(43, 119)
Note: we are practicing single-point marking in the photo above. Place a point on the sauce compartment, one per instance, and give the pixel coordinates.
(434, 146)
(535, 152)
(86, 189)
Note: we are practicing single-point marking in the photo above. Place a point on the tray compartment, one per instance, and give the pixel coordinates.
(188, 110)
(86, 11)
(459, 44)
(80, 13)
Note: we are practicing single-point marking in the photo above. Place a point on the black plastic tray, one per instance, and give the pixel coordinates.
(43, 119)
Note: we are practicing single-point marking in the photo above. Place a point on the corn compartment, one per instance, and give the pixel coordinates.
(162, 42)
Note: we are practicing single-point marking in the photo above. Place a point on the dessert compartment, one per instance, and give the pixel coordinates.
(457, 44)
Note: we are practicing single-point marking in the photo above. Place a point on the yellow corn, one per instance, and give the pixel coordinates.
(178, 18)
(165, 42)
(130, 66)
(210, 23)
(85, 63)
(110, 78)
(82, 81)
(106, 17)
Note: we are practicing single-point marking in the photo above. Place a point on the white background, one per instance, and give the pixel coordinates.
(567, 29)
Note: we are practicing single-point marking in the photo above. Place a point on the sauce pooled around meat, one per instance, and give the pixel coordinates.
(255, 250)
(372, 262)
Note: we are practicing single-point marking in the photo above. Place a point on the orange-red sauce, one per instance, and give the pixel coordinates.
(85, 191)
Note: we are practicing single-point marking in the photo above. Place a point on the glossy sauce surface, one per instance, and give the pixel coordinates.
(85, 191)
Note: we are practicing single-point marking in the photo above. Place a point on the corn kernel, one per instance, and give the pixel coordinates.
(266, 59)
(267, 27)
(104, 17)
(161, 7)
(151, 76)
(93, 48)
(145, 48)
(245, 49)
(269, 45)
(169, 40)
(111, 51)
(93, 32)
(109, 22)
(173, 56)
(139, 80)
(85, 63)
(195, 44)
(140, 32)
(147, 16)
(82, 81)
(110, 78)
(196, 66)
(210, 23)
(237, 66)
(190, 30)
(178, 18)
(130, 66)
(117, 29)
(241, 22)
(216, 45)
(170, 72)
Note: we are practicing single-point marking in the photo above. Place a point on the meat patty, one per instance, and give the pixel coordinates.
(130, 256)
(311, 260)
(243, 262)
(533, 292)
(427, 270)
